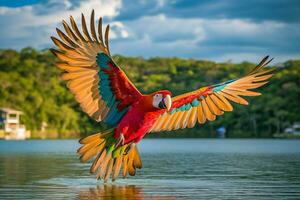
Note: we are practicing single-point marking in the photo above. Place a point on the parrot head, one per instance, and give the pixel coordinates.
(162, 99)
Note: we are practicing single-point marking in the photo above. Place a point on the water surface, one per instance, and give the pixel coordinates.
(172, 169)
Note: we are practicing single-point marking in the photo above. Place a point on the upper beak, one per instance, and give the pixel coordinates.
(168, 102)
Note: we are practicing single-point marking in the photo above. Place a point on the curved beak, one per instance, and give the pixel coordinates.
(166, 103)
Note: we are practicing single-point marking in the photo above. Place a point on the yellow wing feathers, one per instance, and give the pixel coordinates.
(209, 102)
(77, 53)
(105, 165)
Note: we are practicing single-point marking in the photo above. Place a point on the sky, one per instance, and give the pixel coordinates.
(219, 30)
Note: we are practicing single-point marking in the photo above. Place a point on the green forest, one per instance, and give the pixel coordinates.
(29, 81)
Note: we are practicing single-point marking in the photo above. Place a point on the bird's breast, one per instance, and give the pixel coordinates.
(135, 124)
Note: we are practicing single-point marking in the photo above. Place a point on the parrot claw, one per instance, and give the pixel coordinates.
(121, 140)
(129, 148)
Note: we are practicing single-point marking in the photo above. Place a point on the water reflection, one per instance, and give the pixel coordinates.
(25, 168)
(174, 169)
(125, 192)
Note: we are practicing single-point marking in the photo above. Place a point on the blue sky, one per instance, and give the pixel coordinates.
(219, 30)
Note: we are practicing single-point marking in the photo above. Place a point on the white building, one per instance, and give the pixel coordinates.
(10, 126)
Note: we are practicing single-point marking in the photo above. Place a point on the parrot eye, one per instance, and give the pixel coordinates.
(156, 100)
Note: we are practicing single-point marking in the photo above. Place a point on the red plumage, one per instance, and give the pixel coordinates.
(106, 94)
(121, 86)
(139, 118)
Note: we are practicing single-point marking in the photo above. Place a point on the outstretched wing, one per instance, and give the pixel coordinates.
(99, 85)
(206, 103)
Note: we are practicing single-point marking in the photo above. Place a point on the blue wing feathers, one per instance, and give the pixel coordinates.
(188, 106)
(114, 115)
(195, 102)
(103, 60)
(113, 111)
(221, 86)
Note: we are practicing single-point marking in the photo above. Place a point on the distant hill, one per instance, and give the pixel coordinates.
(29, 81)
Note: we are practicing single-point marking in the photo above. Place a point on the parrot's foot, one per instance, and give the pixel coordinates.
(121, 140)
(129, 148)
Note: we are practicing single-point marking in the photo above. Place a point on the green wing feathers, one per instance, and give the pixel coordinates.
(109, 159)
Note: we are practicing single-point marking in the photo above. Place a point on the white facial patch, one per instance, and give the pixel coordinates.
(156, 100)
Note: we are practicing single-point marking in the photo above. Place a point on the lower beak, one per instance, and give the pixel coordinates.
(167, 102)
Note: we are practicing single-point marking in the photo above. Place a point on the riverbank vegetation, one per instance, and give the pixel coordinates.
(29, 81)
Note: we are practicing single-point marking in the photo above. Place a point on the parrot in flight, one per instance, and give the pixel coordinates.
(106, 94)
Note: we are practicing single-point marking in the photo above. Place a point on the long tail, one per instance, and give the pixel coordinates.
(109, 158)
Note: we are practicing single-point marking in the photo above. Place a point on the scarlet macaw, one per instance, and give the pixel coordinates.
(106, 94)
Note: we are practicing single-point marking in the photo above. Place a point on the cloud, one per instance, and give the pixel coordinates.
(254, 10)
(215, 39)
(34, 24)
(277, 36)
(216, 30)
(161, 29)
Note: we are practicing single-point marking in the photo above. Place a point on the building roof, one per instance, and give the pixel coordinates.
(10, 110)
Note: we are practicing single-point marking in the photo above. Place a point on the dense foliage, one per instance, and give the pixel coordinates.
(30, 82)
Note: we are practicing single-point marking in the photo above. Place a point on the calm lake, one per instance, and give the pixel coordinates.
(172, 169)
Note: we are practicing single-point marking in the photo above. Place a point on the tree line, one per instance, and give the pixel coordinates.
(29, 81)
